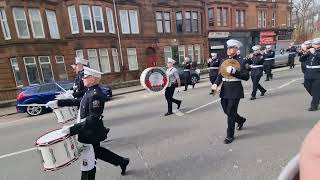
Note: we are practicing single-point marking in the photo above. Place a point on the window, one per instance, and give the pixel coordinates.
(21, 23)
(115, 59)
(273, 20)
(179, 22)
(195, 21)
(262, 21)
(188, 21)
(219, 16)
(222, 15)
(93, 59)
(211, 17)
(240, 18)
(36, 23)
(32, 70)
(16, 71)
(79, 53)
(53, 24)
(163, 22)
(289, 19)
(73, 19)
(110, 20)
(197, 53)
(98, 19)
(132, 59)
(127, 26)
(190, 52)
(86, 19)
(46, 69)
(61, 67)
(167, 53)
(181, 53)
(4, 24)
(104, 60)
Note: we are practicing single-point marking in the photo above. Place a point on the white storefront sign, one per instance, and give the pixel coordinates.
(218, 34)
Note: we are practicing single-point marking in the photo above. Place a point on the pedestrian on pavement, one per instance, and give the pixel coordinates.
(292, 50)
(213, 67)
(312, 75)
(256, 65)
(186, 72)
(269, 61)
(91, 130)
(305, 54)
(232, 90)
(78, 88)
(174, 80)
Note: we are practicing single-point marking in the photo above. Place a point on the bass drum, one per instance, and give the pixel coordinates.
(154, 79)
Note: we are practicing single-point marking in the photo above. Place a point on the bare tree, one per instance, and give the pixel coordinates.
(304, 11)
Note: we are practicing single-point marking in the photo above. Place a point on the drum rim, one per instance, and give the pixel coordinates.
(61, 166)
(149, 69)
(53, 141)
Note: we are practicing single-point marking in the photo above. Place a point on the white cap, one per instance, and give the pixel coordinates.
(91, 72)
(234, 43)
(256, 47)
(170, 60)
(80, 60)
(316, 41)
(308, 43)
(214, 55)
(268, 46)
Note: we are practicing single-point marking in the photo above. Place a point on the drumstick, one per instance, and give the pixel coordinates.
(26, 105)
(60, 87)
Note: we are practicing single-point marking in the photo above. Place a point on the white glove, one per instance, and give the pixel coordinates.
(214, 87)
(312, 50)
(231, 70)
(69, 94)
(66, 129)
(52, 104)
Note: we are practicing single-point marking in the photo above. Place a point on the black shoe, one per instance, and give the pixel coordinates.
(262, 94)
(267, 80)
(124, 166)
(168, 114)
(253, 98)
(179, 104)
(228, 140)
(240, 124)
(312, 109)
(185, 90)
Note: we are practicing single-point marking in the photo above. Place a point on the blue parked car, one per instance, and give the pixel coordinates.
(43, 93)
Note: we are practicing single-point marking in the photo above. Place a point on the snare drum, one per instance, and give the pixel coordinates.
(65, 114)
(57, 150)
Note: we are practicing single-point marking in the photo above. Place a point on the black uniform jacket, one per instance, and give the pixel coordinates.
(312, 66)
(257, 60)
(214, 63)
(268, 61)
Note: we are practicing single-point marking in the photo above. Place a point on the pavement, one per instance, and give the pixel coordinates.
(185, 146)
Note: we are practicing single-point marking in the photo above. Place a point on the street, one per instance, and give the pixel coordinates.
(185, 146)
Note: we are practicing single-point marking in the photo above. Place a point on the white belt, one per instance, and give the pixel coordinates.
(213, 68)
(268, 59)
(231, 80)
(256, 66)
(313, 67)
(186, 70)
(292, 53)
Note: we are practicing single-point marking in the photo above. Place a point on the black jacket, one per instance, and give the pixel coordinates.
(312, 61)
(257, 60)
(303, 59)
(234, 89)
(214, 64)
(292, 50)
(269, 58)
(79, 89)
(91, 130)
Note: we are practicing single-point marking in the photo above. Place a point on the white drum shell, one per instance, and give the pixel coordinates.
(65, 114)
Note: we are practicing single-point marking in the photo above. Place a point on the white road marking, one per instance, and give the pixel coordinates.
(178, 113)
(288, 83)
(18, 152)
(215, 101)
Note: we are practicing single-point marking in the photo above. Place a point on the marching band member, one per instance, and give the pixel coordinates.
(91, 130)
(213, 67)
(186, 73)
(256, 65)
(292, 54)
(305, 54)
(232, 90)
(269, 61)
(173, 77)
(78, 88)
(312, 75)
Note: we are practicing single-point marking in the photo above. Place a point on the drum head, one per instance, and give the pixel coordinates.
(51, 137)
(154, 79)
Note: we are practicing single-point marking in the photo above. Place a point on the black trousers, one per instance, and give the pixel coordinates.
(313, 88)
(230, 108)
(213, 79)
(268, 69)
(256, 85)
(187, 79)
(291, 61)
(105, 155)
(169, 97)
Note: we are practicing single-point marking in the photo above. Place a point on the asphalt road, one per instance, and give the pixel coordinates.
(185, 146)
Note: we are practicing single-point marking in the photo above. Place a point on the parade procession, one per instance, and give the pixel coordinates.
(159, 90)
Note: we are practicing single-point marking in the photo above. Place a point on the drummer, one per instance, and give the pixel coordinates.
(232, 90)
(78, 88)
(91, 130)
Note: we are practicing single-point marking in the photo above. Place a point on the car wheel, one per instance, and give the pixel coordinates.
(35, 110)
(194, 79)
